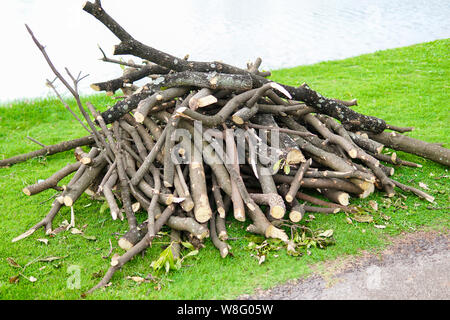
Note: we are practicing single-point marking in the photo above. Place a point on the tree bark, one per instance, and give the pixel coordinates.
(49, 150)
(424, 149)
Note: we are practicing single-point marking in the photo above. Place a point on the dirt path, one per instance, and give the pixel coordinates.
(415, 266)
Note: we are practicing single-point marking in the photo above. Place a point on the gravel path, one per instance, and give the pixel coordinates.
(415, 266)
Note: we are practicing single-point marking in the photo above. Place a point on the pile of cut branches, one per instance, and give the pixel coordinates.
(203, 140)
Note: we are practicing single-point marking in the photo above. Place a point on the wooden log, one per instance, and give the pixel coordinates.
(238, 204)
(320, 183)
(277, 207)
(111, 86)
(290, 195)
(74, 191)
(223, 247)
(107, 192)
(202, 210)
(273, 200)
(296, 210)
(283, 140)
(212, 80)
(49, 150)
(52, 181)
(337, 196)
(218, 197)
(202, 98)
(220, 221)
(146, 104)
(423, 149)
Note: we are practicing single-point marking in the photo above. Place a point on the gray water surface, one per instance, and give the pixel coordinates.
(283, 33)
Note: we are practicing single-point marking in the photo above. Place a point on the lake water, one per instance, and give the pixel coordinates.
(283, 33)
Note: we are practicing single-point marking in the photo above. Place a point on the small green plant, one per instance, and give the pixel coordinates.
(167, 261)
(281, 164)
(302, 239)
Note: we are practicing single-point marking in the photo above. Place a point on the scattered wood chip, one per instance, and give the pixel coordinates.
(363, 218)
(43, 241)
(423, 185)
(373, 204)
(75, 231)
(136, 279)
(261, 259)
(51, 258)
(326, 234)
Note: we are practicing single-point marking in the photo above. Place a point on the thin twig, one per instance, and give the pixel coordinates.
(50, 84)
(35, 141)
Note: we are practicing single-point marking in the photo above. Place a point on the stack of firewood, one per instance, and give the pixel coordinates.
(203, 142)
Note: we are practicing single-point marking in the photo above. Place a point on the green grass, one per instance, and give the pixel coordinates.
(406, 87)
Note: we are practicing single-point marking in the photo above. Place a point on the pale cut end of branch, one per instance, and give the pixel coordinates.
(113, 215)
(115, 260)
(289, 198)
(363, 184)
(394, 157)
(221, 212)
(136, 206)
(224, 252)
(274, 232)
(206, 101)
(125, 244)
(223, 235)
(188, 205)
(26, 191)
(367, 187)
(95, 87)
(343, 198)
(60, 199)
(239, 214)
(24, 235)
(169, 199)
(139, 117)
(294, 157)
(68, 201)
(277, 212)
(391, 171)
(86, 160)
(236, 119)
(367, 192)
(202, 214)
(353, 153)
(203, 235)
(295, 216)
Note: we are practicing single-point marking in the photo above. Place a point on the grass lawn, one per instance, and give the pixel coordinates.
(406, 87)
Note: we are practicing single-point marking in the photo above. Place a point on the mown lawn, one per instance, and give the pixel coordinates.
(406, 87)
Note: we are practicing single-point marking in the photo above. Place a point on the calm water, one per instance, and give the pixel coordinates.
(284, 33)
